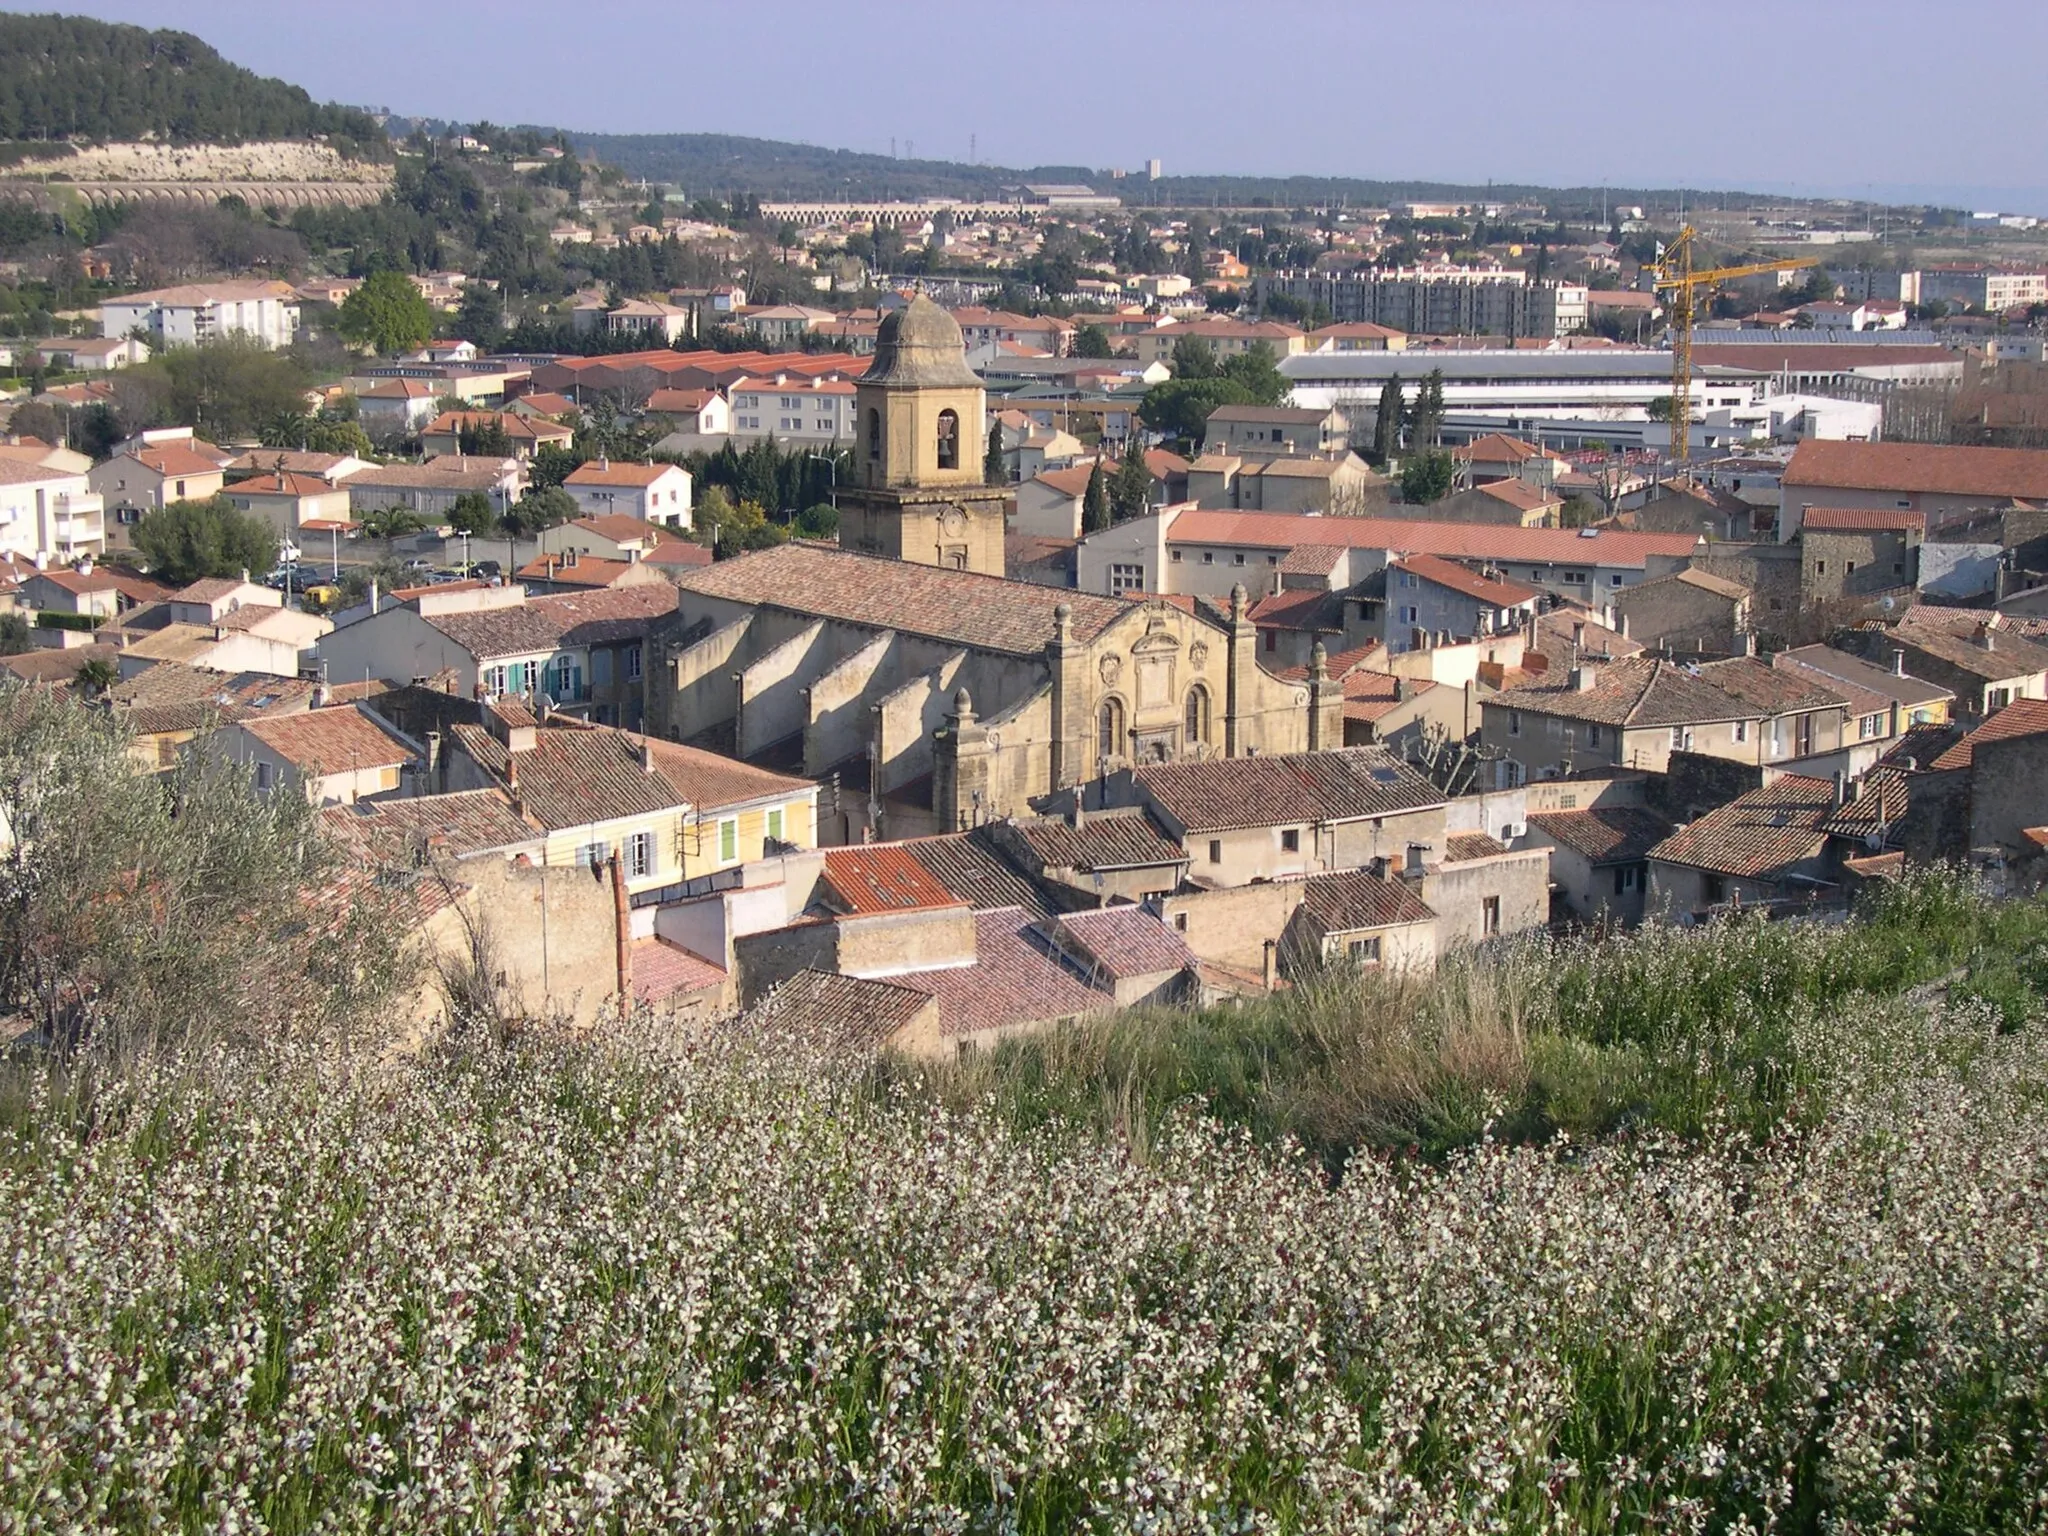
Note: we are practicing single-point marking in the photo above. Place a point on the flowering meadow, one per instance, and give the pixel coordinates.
(743, 1285)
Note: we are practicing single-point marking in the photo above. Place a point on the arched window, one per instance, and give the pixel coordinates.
(874, 434)
(1109, 729)
(1197, 723)
(949, 440)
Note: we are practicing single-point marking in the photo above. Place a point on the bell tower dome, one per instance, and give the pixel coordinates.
(921, 419)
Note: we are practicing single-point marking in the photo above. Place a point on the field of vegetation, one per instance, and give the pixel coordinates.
(1731, 1232)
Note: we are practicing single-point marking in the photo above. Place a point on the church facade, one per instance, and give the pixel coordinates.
(933, 699)
(924, 689)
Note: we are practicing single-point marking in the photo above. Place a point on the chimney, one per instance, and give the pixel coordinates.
(646, 755)
(569, 557)
(85, 566)
(1986, 638)
(433, 740)
(1898, 662)
(622, 929)
(1747, 643)
(322, 694)
(512, 773)
(1585, 678)
(1269, 969)
(1413, 868)
(373, 595)
(1841, 787)
(604, 462)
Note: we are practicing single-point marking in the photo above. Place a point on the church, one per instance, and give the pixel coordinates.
(926, 691)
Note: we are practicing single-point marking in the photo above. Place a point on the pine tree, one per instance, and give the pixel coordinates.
(1386, 442)
(993, 470)
(1130, 490)
(1095, 501)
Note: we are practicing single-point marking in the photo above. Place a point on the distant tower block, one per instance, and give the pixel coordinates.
(1153, 170)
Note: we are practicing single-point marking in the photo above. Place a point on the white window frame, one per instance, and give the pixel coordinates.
(643, 856)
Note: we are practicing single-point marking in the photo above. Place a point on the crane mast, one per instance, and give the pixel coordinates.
(1674, 273)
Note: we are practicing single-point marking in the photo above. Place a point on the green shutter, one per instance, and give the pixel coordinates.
(728, 841)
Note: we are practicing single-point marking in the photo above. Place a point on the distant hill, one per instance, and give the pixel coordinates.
(68, 78)
(717, 164)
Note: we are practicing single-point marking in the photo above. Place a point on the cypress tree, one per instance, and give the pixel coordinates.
(993, 470)
(1131, 489)
(1095, 501)
(1386, 442)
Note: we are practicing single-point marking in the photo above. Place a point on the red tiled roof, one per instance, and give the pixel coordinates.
(882, 878)
(1616, 834)
(662, 971)
(1939, 469)
(328, 741)
(1860, 519)
(1453, 541)
(1758, 834)
(1348, 900)
(2022, 717)
(587, 571)
(1012, 981)
(175, 459)
(1499, 448)
(467, 822)
(1464, 847)
(619, 527)
(1123, 941)
(1303, 787)
(1445, 573)
(639, 475)
(1519, 494)
(677, 552)
(286, 484)
(839, 1010)
(1107, 840)
(988, 612)
(569, 618)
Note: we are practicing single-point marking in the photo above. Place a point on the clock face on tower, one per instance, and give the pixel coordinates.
(952, 522)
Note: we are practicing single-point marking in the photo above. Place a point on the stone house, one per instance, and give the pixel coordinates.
(1435, 601)
(1354, 917)
(334, 756)
(1985, 666)
(1689, 613)
(1884, 702)
(1256, 432)
(1783, 843)
(1850, 552)
(1600, 859)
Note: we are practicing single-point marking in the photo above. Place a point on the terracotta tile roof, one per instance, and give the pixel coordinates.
(1120, 942)
(1757, 835)
(344, 739)
(1648, 691)
(175, 459)
(663, 971)
(839, 1010)
(1464, 847)
(1104, 840)
(1348, 900)
(562, 619)
(1453, 541)
(1013, 981)
(1938, 469)
(586, 571)
(209, 589)
(2010, 655)
(1068, 482)
(515, 427)
(1455, 578)
(1519, 494)
(1499, 448)
(2022, 717)
(1312, 559)
(1923, 745)
(677, 400)
(549, 404)
(973, 868)
(58, 666)
(577, 774)
(1876, 804)
(1309, 608)
(1861, 519)
(286, 484)
(78, 582)
(1615, 834)
(885, 877)
(1303, 787)
(636, 475)
(987, 612)
(163, 699)
(677, 554)
(619, 527)
(462, 824)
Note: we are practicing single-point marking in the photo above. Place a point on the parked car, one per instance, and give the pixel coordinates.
(486, 570)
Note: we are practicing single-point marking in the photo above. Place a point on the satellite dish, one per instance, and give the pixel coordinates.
(1889, 604)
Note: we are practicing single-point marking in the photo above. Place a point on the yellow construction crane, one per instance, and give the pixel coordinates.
(1674, 271)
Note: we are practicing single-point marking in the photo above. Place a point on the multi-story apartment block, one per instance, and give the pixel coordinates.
(1439, 301)
(199, 312)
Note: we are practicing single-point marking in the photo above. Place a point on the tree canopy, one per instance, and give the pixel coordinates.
(546, 507)
(188, 541)
(1095, 501)
(388, 314)
(1427, 477)
(66, 77)
(1130, 488)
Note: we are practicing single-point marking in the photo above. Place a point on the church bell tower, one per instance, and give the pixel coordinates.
(917, 491)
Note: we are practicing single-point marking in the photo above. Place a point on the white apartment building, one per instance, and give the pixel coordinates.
(793, 410)
(197, 312)
(1440, 300)
(51, 513)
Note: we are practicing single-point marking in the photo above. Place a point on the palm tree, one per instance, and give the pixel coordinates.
(96, 677)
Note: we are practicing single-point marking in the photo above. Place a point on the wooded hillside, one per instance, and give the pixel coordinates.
(67, 77)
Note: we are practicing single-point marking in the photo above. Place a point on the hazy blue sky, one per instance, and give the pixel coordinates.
(1881, 98)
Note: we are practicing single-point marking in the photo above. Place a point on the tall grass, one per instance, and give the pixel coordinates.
(1682, 1030)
